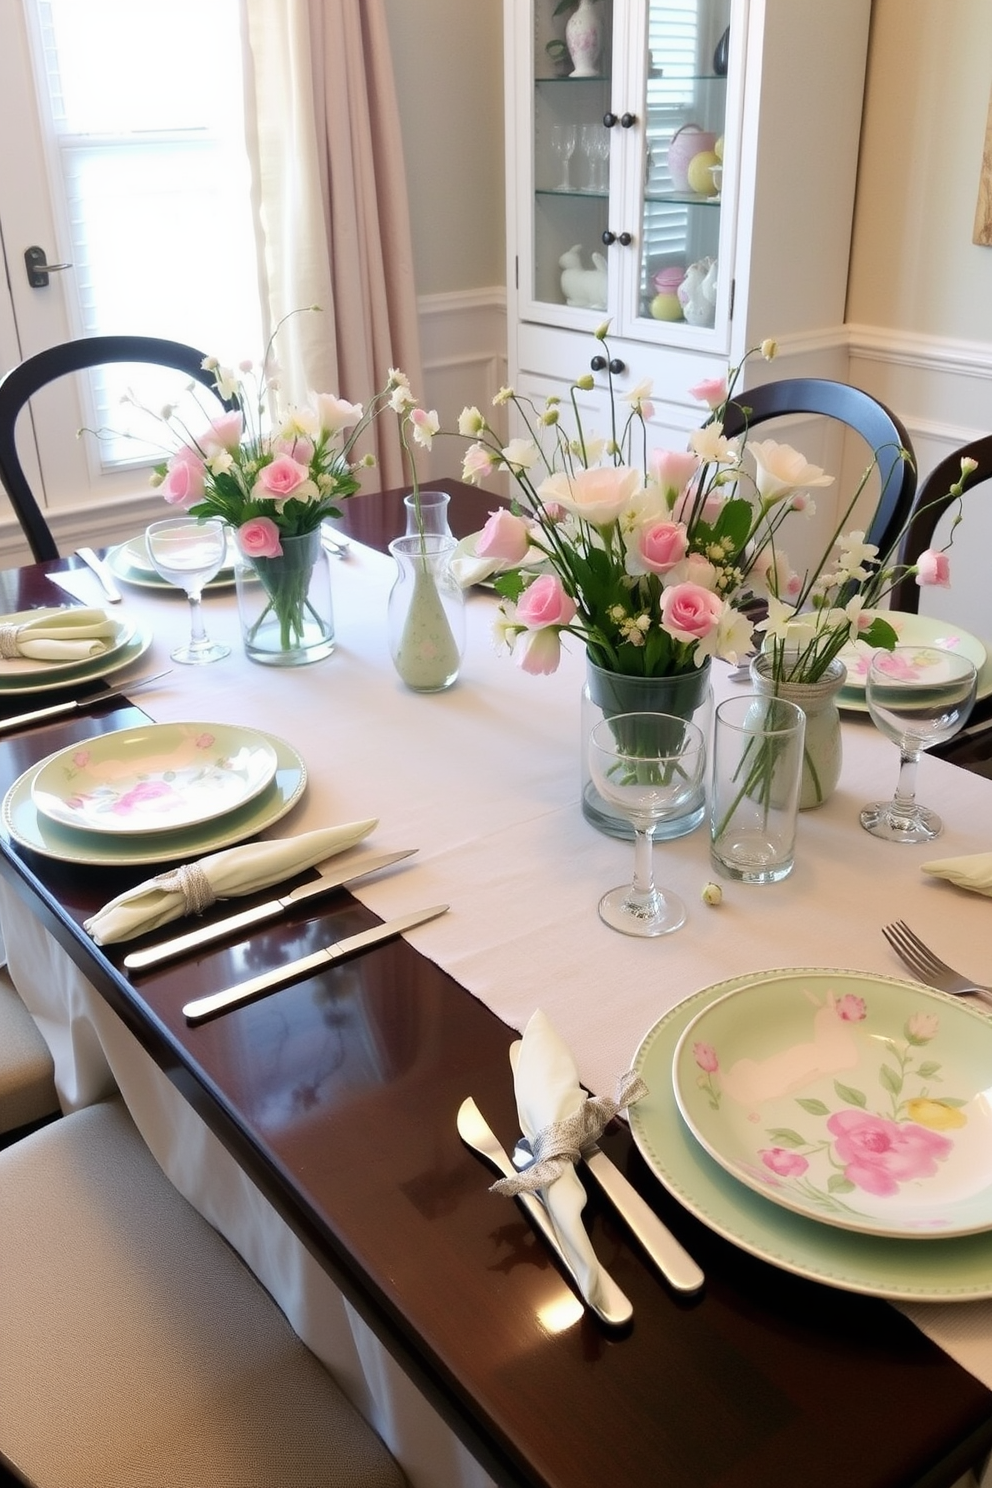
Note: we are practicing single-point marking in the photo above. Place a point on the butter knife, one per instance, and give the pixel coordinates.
(341, 873)
(97, 566)
(38, 715)
(242, 992)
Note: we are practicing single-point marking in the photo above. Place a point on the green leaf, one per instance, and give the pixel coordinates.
(784, 1136)
(850, 1095)
(879, 633)
(837, 1183)
(928, 1069)
(814, 1107)
(890, 1080)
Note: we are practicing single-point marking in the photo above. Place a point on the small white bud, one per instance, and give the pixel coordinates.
(712, 894)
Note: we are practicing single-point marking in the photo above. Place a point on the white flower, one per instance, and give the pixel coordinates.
(226, 382)
(470, 422)
(854, 554)
(779, 618)
(521, 454)
(425, 426)
(221, 462)
(781, 470)
(712, 447)
(597, 496)
(334, 414)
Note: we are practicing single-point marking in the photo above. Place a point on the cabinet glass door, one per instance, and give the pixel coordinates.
(571, 159)
(684, 113)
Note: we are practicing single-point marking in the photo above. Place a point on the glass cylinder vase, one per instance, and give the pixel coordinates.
(823, 749)
(606, 694)
(426, 614)
(284, 603)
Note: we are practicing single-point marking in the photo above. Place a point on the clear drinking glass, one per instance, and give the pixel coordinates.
(188, 552)
(647, 765)
(918, 696)
(433, 517)
(563, 138)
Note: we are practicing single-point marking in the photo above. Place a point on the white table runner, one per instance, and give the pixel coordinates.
(484, 780)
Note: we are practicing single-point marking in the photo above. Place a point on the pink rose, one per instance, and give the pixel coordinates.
(689, 612)
(879, 1154)
(661, 546)
(538, 651)
(850, 1009)
(673, 470)
(280, 478)
(143, 794)
(183, 484)
(505, 537)
(711, 391)
(783, 1162)
(544, 602)
(259, 538)
(224, 433)
(705, 1057)
(299, 448)
(933, 568)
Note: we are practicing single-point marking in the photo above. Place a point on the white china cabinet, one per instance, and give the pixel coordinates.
(686, 173)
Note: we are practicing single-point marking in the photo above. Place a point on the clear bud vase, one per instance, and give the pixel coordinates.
(426, 613)
(433, 513)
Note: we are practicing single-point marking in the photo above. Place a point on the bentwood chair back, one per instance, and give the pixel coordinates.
(932, 500)
(22, 382)
(881, 430)
(136, 1348)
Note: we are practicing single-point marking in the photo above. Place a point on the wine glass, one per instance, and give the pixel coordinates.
(563, 137)
(601, 141)
(587, 144)
(188, 553)
(647, 765)
(918, 696)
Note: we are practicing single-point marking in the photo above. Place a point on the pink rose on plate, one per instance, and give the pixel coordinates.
(690, 612)
(850, 1009)
(259, 538)
(933, 568)
(543, 603)
(144, 795)
(280, 478)
(504, 537)
(705, 1057)
(879, 1154)
(783, 1162)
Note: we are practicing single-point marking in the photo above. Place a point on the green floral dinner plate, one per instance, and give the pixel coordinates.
(80, 671)
(160, 777)
(941, 1270)
(130, 561)
(21, 822)
(912, 630)
(848, 1099)
(17, 669)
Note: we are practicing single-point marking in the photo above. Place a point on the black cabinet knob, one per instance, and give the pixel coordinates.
(625, 238)
(626, 120)
(609, 237)
(598, 364)
(609, 120)
(617, 366)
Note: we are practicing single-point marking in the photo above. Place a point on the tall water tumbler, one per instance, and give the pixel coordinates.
(757, 773)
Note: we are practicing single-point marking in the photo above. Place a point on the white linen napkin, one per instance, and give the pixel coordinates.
(973, 871)
(546, 1083)
(223, 875)
(58, 635)
(468, 569)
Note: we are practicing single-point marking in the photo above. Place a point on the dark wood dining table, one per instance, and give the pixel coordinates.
(765, 1379)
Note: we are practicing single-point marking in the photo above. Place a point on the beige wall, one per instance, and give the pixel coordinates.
(448, 60)
(914, 267)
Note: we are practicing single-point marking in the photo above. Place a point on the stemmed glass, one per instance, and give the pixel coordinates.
(188, 553)
(918, 696)
(647, 765)
(601, 143)
(587, 144)
(563, 137)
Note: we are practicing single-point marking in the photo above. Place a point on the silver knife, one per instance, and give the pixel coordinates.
(97, 566)
(37, 715)
(219, 1002)
(675, 1264)
(341, 873)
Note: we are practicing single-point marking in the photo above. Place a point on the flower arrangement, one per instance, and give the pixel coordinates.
(658, 560)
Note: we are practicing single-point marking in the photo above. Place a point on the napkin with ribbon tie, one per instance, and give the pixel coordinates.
(973, 871)
(558, 1119)
(193, 887)
(58, 635)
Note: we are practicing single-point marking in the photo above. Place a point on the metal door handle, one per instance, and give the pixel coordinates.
(39, 268)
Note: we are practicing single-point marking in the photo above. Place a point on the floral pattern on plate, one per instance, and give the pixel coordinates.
(912, 630)
(837, 1098)
(161, 777)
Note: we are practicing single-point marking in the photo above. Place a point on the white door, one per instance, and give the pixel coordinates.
(127, 162)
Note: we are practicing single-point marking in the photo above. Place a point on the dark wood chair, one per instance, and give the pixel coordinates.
(933, 499)
(22, 382)
(881, 430)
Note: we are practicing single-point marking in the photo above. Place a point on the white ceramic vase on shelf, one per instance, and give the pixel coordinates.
(584, 38)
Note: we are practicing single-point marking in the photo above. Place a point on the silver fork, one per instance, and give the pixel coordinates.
(929, 968)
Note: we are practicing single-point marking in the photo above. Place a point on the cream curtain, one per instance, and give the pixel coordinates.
(331, 202)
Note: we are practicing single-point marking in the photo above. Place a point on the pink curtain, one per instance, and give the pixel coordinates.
(332, 204)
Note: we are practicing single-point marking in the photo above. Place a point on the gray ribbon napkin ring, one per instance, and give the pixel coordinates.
(191, 881)
(560, 1145)
(8, 642)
